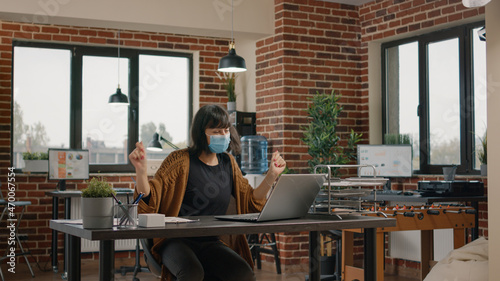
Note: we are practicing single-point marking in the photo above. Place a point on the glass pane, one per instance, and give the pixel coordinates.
(104, 125)
(444, 102)
(402, 92)
(41, 100)
(164, 101)
(479, 78)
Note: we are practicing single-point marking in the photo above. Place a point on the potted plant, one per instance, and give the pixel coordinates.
(483, 156)
(321, 133)
(36, 162)
(97, 204)
(228, 78)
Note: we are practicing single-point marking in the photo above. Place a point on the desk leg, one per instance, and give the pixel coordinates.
(67, 215)
(370, 254)
(74, 263)
(107, 260)
(55, 216)
(314, 259)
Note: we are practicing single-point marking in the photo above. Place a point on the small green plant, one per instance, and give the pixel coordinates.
(482, 154)
(397, 139)
(321, 134)
(228, 78)
(98, 188)
(35, 156)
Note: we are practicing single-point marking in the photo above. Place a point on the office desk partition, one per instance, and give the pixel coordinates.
(209, 226)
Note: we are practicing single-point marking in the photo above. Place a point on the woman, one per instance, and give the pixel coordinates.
(201, 180)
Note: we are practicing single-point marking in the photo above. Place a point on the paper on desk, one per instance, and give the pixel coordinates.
(178, 220)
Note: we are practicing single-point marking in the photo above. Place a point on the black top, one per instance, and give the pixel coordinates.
(209, 188)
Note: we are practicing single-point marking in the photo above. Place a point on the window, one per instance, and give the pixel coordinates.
(61, 97)
(434, 92)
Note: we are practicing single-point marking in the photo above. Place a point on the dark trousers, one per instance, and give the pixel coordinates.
(191, 259)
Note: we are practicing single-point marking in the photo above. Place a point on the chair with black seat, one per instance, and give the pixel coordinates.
(153, 266)
(257, 242)
(6, 205)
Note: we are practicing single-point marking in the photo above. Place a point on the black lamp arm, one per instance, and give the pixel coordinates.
(169, 143)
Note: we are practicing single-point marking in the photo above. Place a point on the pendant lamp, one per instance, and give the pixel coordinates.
(118, 98)
(232, 62)
(475, 3)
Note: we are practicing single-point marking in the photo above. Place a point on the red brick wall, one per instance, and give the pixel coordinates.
(316, 48)
(321, 46)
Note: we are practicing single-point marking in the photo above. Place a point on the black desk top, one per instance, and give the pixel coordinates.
(209, 226)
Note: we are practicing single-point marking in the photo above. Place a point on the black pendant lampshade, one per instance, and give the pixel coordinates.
(232, 62)
(118, 97)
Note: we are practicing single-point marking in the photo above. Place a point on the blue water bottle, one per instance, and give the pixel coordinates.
(254, 154)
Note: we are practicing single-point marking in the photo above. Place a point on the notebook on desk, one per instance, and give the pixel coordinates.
(291, 198)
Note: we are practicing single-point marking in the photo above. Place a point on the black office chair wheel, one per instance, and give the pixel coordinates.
(136, 279)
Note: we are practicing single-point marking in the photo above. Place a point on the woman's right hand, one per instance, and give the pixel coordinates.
(138, 158)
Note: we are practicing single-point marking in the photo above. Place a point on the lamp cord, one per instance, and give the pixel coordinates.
(232, 21)
(118, 59)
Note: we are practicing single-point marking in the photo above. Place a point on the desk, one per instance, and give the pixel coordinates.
(67, 195)
(209, 226)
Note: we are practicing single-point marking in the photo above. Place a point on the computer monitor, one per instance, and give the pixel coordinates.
(389, 160)
(67, 164)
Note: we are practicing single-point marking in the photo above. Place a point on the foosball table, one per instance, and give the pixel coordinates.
(425, 218)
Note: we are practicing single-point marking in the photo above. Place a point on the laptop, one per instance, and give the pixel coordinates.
(291, 198)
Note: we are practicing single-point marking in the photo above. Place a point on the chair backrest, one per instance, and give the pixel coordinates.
(153, 266)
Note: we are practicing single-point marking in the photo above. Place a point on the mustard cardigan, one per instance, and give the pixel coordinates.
(167, 192)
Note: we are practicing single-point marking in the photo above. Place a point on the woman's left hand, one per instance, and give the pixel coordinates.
(277, 165)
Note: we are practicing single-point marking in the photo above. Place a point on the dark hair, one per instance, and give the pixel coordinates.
(207, 117)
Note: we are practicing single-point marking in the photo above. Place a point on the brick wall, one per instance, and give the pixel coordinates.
(321, 46)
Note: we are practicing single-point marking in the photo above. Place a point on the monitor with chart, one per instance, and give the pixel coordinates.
(67, 164)
(389, 160)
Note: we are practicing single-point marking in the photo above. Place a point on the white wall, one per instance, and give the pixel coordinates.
(493, 103)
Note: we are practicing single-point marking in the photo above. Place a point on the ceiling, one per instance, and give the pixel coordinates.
(350, 2)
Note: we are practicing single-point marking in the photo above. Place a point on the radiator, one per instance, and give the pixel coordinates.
(93, 246)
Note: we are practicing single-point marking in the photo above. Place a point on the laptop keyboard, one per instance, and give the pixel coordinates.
(248, 217)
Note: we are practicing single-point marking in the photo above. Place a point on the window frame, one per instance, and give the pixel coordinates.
(463, 33)
(76, 103)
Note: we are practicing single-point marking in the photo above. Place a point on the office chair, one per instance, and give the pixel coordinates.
(21, 252)
(153, 266)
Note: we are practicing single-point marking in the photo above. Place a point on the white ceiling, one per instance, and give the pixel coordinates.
(350, 2)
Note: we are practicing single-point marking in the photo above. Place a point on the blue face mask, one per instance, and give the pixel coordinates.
(219, 143)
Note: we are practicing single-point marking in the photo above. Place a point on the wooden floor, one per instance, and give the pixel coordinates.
(89, 268)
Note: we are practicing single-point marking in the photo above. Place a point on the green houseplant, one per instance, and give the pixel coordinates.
(482, 155)
(229, 85)
(36, 162)
(97, 204)
(321, 134)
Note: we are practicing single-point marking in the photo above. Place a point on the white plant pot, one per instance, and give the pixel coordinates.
(231, 106)
(484, 170)
(37, 166)
(97, 212)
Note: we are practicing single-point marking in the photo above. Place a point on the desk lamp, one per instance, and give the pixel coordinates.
(155, 145)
